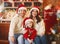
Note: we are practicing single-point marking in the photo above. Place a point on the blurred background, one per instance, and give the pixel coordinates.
(8, 11)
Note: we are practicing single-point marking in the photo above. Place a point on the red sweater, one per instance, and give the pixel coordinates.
(31, 33)
(49, 20)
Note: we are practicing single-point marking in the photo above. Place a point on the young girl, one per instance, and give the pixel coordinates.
(30, 31)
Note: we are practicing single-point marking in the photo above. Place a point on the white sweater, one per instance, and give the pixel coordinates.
(16, 25)
(40, 27)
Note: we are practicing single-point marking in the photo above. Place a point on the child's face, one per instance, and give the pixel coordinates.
(30, 24)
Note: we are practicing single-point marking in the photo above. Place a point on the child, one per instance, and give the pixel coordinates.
(30, 31)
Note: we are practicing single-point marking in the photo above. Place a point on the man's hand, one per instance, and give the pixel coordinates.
(12, 38)
(23, 31)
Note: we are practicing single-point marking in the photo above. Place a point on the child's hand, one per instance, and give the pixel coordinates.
(12, 38)
(30, 41)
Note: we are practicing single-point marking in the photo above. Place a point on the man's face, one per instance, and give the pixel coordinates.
(21, 12)
(51, 12)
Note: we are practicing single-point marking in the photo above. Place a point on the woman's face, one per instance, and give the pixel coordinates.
(34, 13)
(21, 12)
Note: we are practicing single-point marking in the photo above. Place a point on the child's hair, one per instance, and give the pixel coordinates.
(26, 21)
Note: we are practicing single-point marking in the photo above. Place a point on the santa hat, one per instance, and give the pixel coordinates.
(48, 7)
(21, 6)
(49, 10)
(26, 21)
(35, 8)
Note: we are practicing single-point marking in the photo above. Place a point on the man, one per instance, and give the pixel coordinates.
(16, 24)
(50, 20)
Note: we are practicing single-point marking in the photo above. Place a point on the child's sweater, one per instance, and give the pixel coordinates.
(31, 33)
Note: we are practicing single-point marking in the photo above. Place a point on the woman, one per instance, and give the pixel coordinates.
(39, 25)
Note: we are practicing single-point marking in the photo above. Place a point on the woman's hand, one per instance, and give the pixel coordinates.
(42, 34)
